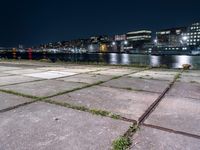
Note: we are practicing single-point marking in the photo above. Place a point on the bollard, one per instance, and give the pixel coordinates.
(30, 54)
(44, 54)
(14, 53)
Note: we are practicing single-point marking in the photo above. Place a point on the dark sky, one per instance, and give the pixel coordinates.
(31, 22)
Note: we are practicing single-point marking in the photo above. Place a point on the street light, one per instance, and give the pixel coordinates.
(113, 43)
(125, 42)
(184, 38)
(156, 41)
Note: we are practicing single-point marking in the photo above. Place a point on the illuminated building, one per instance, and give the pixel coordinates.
(193, 35)
(137, 39)
(170, 37)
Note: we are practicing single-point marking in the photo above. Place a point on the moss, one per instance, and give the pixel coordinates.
(124, 142)
(128, 88)
(177, 76)
(20, 94)
(68, 91)
(193, 82)
(85, 109)
(121, 143)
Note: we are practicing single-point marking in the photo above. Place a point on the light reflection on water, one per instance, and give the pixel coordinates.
(125, 59)
(171, 61)
(154, 60)
(180, 60)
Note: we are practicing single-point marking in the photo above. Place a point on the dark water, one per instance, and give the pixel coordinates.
(171, 61)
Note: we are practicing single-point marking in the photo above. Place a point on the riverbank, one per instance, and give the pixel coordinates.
(57, 105)
(169, 61)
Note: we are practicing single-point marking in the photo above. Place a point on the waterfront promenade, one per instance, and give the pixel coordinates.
(54, 106)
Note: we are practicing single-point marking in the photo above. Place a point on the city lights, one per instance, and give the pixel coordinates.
(113, 43)
(125, 42)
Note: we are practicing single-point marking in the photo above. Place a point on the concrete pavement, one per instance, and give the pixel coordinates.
(68, 106)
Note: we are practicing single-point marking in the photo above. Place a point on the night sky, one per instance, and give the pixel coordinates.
(31, 22)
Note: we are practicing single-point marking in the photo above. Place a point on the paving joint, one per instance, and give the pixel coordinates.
(93, 111)
(158, 100)
(17, 106)
(130, 89)
(89, 85)
(171, 130)
(23, 82)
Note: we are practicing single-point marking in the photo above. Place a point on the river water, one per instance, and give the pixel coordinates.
(171, 61)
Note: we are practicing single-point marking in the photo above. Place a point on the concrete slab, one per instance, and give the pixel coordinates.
(183, 89)
(189, 79)
(129, 104)
(115, 72)
(50, 74)
(180, 114)
(55, 68)
(81, 70)
(195, 73)
(138, 84)
(42, 126)
(23, 71)
(5, 68)
(76, 69)
(153, 139)
(6, 80)
(3, 74)
(153, 75)
(8, 100)
(86, 78)
(164, 71)
(44, 88)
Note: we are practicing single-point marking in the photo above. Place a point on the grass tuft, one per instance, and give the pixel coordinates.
(124, 142)
(19, 94)
(85, 109)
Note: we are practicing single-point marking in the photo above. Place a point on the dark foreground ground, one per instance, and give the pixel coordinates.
(46, 106)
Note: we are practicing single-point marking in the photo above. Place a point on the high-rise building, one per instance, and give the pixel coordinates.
(193, 35)
(139, 36)
(170, 37)
(137, 39)
(120, 37)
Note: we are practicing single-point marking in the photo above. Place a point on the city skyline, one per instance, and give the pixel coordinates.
(32, 23)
